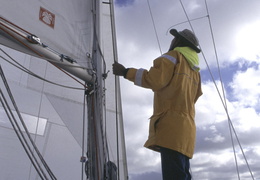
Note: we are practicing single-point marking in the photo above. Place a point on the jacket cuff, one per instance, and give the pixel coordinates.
(125, 72)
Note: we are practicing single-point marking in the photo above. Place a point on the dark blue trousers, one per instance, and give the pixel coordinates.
(175, 166)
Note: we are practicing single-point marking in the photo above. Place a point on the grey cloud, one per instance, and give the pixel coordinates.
(138, 47)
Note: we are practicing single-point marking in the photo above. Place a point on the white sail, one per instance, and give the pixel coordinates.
(55, 115)
(65, 26)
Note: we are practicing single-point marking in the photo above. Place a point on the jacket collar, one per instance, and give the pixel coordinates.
(191, 56)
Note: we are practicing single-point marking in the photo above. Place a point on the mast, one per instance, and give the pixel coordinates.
(106, 145)
(96, 150)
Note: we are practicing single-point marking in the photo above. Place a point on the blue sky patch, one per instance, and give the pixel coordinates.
(124, 2)
(227, 74)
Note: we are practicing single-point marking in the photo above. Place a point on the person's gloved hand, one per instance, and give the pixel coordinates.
(119, 69)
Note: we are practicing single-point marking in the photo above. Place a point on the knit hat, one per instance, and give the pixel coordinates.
(189, 36)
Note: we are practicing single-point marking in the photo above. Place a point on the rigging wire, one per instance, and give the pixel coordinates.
(21, 67)
(216, 54)
(223, 101)
(20, 135)
(10, 116)
(117, 89)
(223, 91)
(119, 116)
(154, 27)
(185, 22)
(39, 110)
(24, 69)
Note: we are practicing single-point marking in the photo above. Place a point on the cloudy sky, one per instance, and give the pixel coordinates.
(236, 27)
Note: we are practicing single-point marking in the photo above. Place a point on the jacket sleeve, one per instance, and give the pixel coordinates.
(157, 77)
(199, 91)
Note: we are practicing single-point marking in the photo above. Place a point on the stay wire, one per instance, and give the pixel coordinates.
(154, 27)
(223, 101)
(222, 86)
(116, 80)
(216, 54)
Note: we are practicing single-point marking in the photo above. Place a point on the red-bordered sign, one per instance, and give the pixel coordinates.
(47, 17)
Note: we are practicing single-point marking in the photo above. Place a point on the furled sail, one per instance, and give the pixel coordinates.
(75, 36)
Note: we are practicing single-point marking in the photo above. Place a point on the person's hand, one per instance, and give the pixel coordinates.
(118, 69)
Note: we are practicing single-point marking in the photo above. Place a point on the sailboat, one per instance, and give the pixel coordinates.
(60, 111)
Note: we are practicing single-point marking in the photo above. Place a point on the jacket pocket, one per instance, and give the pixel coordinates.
(154, 121)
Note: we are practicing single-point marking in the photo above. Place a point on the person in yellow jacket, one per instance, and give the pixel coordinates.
(176, 83)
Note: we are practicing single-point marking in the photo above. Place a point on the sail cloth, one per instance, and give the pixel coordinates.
(63, 25)
(54, 114)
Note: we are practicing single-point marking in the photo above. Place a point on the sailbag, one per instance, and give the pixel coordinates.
(55, 61)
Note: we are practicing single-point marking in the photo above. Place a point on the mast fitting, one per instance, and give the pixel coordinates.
(69, 59)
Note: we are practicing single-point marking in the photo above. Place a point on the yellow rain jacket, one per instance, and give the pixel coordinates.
(176, 83)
